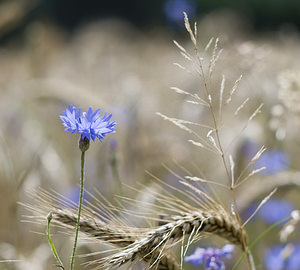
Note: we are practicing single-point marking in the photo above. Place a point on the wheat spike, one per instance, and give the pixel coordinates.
(95, 229)
(194, 223)
(180, 219)
(117, 236)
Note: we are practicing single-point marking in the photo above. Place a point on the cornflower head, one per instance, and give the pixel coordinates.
(211, 257)
(90, 125)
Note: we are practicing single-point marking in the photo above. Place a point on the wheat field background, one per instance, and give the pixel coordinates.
(126, 71)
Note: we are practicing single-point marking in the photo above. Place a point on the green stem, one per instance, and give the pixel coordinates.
(49, 218)
(79, 210)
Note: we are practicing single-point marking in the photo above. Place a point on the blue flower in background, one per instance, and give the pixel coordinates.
(90, 125)
(274, 210)
(211, 257)
(283, 257)
(73, 193)
(174, 9)
(273, 260)
(275, 161)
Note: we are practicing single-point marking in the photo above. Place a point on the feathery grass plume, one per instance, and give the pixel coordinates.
(207, 98)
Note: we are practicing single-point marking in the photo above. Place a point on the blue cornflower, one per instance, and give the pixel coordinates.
(274, 210)
(283, 257)
(90, 125)
(211, 257)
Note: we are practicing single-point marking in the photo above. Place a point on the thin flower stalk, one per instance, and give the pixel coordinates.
(79, 210)
(90, 126)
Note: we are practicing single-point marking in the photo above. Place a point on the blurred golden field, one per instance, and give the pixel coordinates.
(111, 65)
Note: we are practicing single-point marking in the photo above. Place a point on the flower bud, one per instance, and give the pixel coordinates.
(84, 143)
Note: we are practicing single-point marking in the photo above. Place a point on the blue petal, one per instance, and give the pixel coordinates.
(273, 260)
(196, 258)
(212, 257)
(215, 264)
(227, 250)
(90, 125)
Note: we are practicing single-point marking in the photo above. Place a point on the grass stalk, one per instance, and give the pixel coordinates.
(49, 218)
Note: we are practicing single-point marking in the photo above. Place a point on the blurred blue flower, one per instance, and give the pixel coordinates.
(174, 9)
(275, 161)
(211, 257)
(283, 257)
(274, 210)
(73, 194)
(90, 125)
